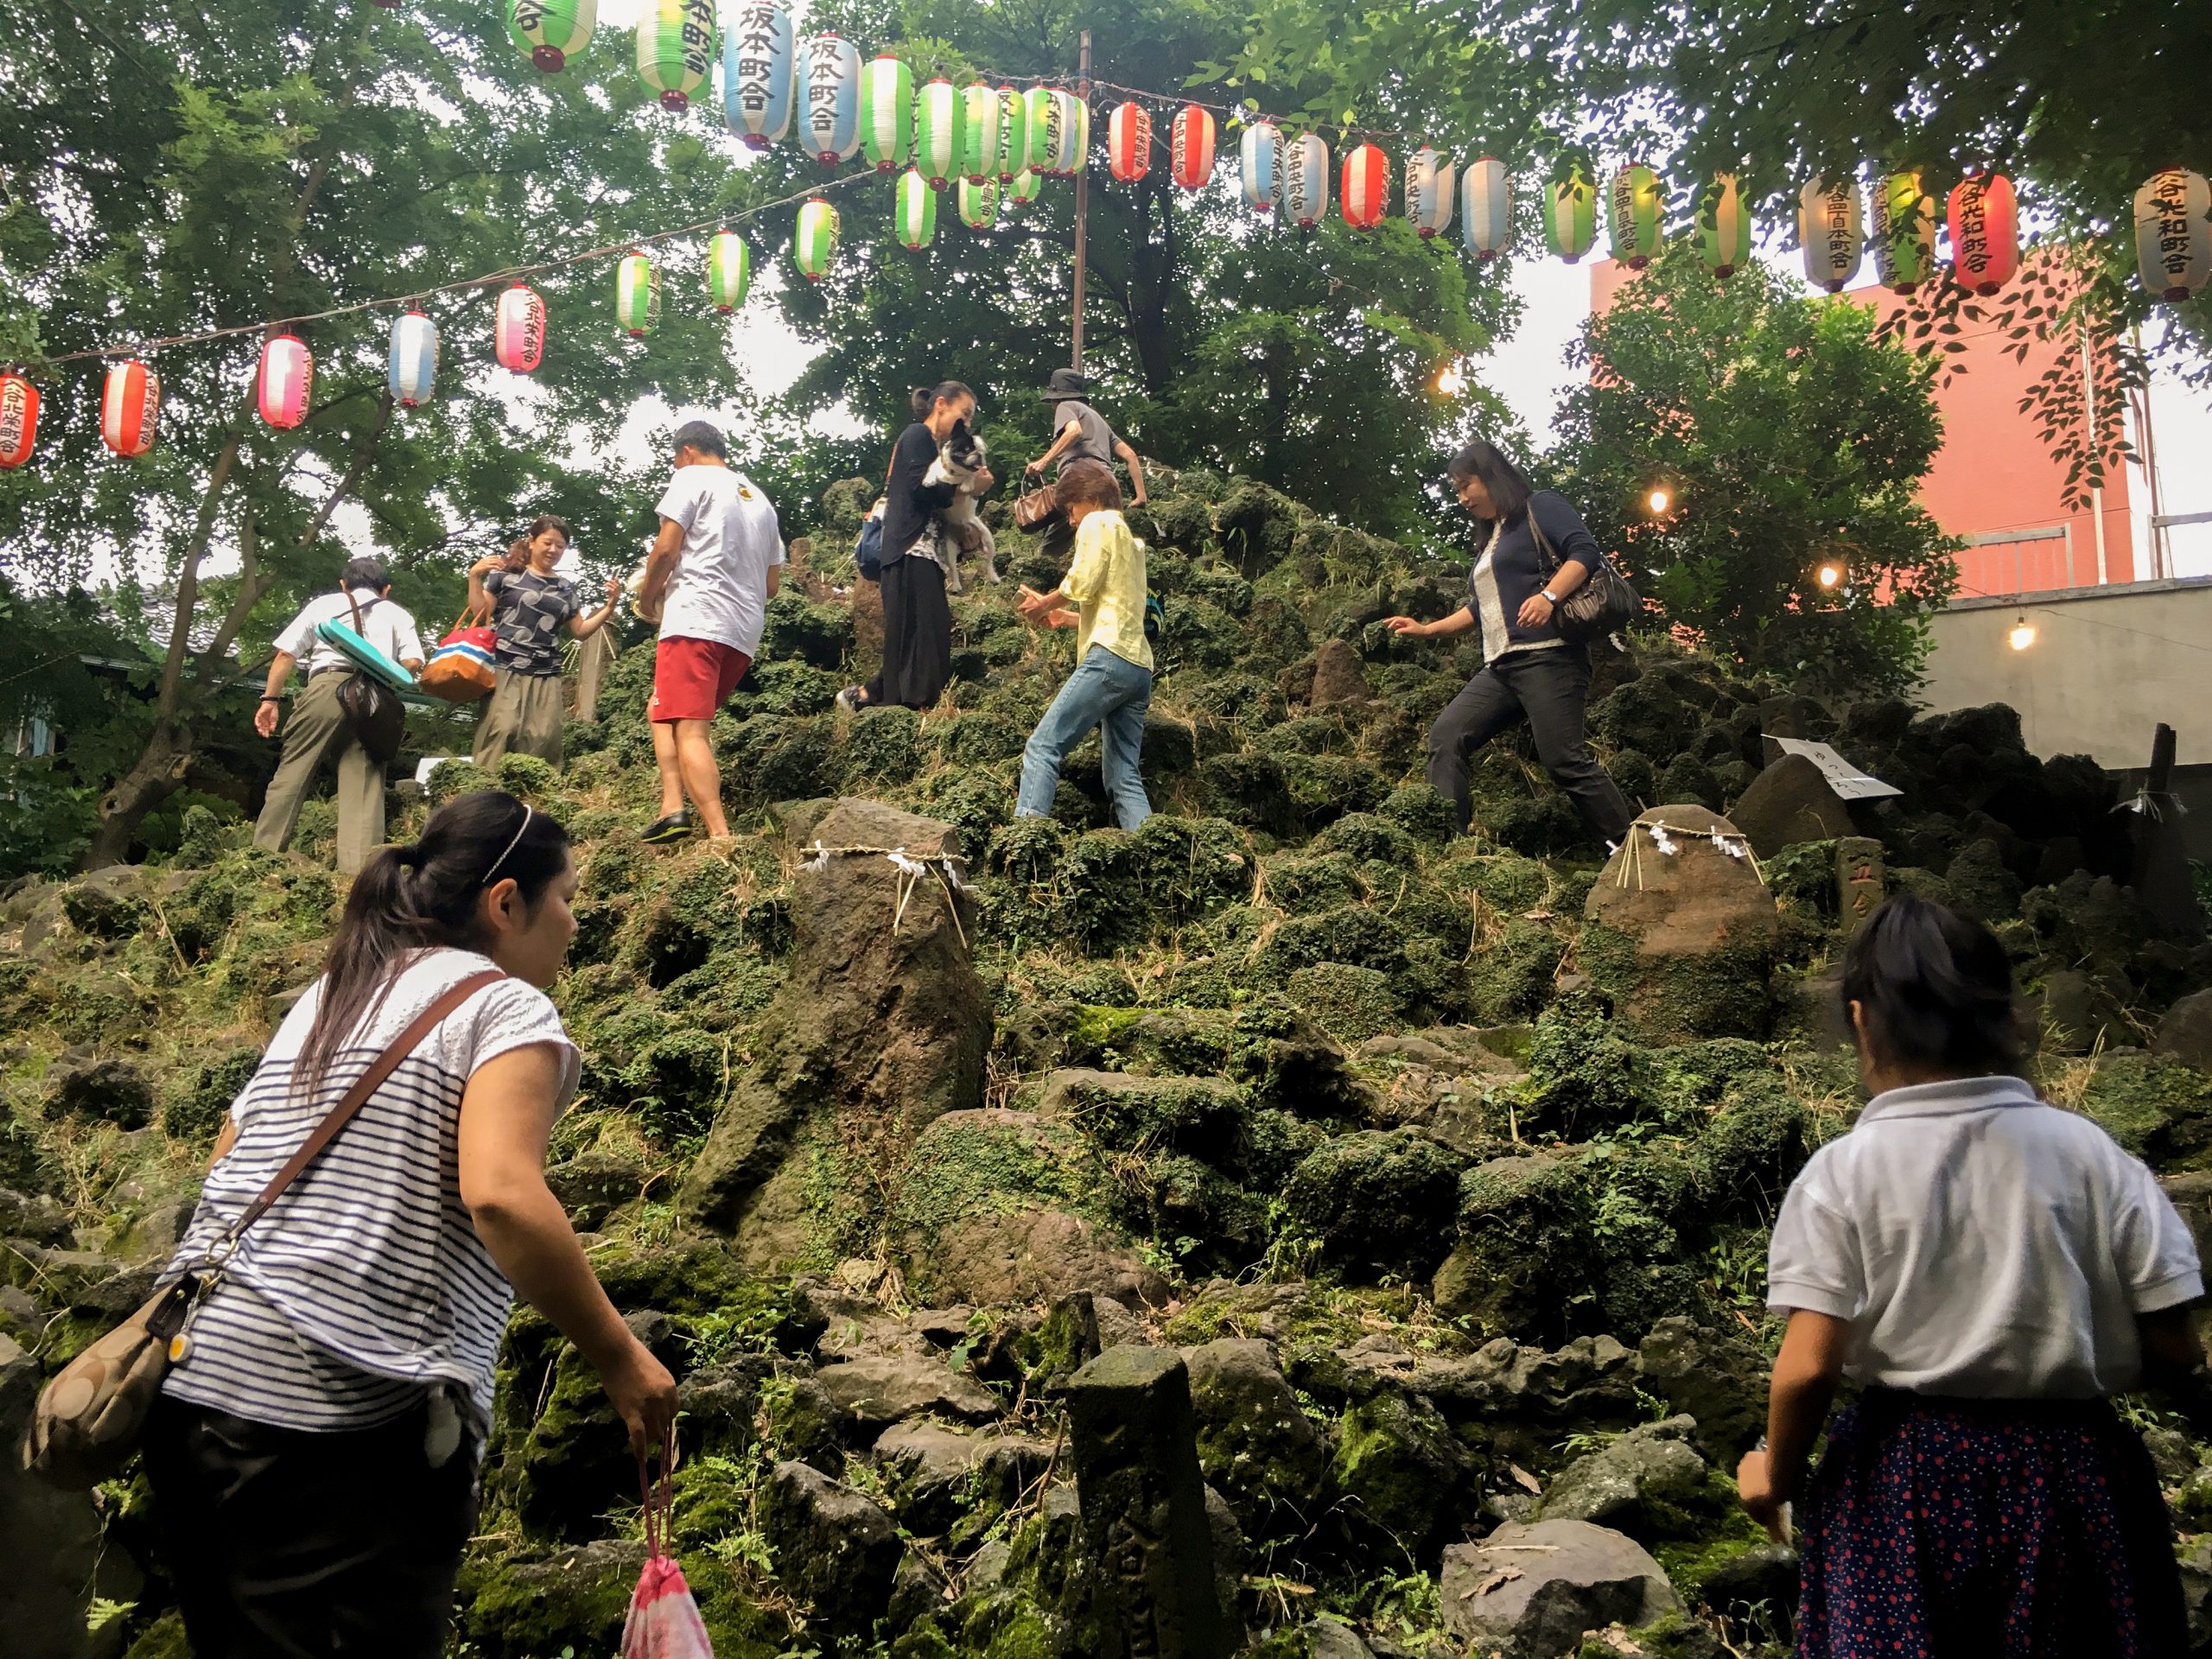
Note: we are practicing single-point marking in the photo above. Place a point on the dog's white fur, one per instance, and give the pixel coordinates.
(959, 459)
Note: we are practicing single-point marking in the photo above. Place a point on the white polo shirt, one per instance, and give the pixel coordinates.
(384, 624)
(731, 541)
(1982, 1243)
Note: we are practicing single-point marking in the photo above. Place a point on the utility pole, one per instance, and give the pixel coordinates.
(1082, 200)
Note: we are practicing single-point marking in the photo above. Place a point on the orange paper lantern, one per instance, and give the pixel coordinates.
(130, 407)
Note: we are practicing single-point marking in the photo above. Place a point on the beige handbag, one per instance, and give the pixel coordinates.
(91, 1415)
(1033, 507)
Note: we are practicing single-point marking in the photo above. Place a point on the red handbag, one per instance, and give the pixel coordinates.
(460, 669)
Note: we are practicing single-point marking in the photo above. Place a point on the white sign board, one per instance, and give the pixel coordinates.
(431, 762)
(1846, 780)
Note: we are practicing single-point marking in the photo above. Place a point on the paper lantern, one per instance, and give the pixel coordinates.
(1723, 226)
(1079, 108)
(286, 382)
(1014, 134)
(914, 211)
(131, 408)
(981, 119)
(1128, 141)
(1904, 233)
(1018, 194)
(759, 52)
(1570, 210)
(729, 269)
(1487, 208)
(412, 372)
(979, 203)
(676, 49)
(1638, 215)
(1190, 147)
(1258, 159)
(1057, 126)
(829, 98)
(816, 245)
(18, 420)
(2173, 233)
(637, 293)
(1429, 178)
(886, 113)
(551, 31)
(1985, 232)
(938, 114)
(1828, 230)
(1306, 180)
(519, 329)
(1364, 193)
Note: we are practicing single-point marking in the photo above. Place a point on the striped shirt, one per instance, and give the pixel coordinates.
(365, 1283)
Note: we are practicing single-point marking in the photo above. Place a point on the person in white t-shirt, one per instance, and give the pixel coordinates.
(716, 563)
(1988, 1267)
(318, 727)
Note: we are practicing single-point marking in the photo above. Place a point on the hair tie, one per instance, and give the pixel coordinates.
(517, 841)
(410, 856)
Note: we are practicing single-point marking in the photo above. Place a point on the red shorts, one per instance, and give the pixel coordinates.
(692, 678)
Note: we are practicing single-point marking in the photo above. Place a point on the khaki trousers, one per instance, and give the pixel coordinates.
(523, 715)
(318, 728)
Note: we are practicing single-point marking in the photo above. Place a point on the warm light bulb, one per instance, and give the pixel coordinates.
(1830, 574)
(2023, 634)
(1658, 500)
(1450, 381)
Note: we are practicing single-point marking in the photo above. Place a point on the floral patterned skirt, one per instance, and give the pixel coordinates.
(1986, 1530)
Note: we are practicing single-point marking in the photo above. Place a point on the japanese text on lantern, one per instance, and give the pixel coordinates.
(2171, 200)
(756, 41)
(821, 91)
(530, 14)
(1973, 232)
(698, 35)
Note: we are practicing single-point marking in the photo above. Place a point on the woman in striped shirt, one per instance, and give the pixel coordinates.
(313, 1454)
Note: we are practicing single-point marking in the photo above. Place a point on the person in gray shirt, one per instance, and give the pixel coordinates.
(1079, 433)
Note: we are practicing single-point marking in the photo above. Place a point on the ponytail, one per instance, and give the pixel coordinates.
(925, 399)
(1935, 988)
(410, 897)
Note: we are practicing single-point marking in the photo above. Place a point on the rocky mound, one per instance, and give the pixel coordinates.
(1433, 1175)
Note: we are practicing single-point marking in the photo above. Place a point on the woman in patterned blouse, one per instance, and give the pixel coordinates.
(530, 606)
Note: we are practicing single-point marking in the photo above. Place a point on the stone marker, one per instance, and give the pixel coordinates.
(1339, 678)
(1790, 802)
(1144, 1508)
(2161, 876)
(1859, 879)
(1530, 1592)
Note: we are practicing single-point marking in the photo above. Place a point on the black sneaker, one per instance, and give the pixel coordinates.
(674, 826)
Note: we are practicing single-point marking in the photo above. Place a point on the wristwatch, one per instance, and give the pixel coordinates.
(1551, 598)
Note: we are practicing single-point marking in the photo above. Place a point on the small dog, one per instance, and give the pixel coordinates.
(958, 460)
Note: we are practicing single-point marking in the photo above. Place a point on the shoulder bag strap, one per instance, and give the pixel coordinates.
(1547, 561)
(358, 1096)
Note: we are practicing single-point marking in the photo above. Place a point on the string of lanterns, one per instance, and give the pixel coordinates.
(991, 146)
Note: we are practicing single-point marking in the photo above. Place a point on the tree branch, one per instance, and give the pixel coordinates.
(188, 587)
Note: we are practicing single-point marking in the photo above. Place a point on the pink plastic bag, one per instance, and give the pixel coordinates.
(663, 1621)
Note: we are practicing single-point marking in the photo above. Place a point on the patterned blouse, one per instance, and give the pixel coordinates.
(528, 614)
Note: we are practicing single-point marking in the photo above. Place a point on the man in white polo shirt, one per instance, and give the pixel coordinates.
(717, 561)
(318, 725)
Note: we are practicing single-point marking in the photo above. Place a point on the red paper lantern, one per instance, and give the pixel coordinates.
(287, 380)
(1985, 231)
(1366, 192)
(130, 407)
(1128, 142)
(1190, 147)
(18, 420)
(519, 329)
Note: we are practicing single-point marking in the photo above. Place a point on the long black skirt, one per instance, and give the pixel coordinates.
(1986, 1530)
(916, 635)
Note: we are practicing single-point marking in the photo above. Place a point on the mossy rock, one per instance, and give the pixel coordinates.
(820, 636)
(1379, 1201)
(785, 688)
(1202, 1117)
(1351, 1003)
(1584, 1076)
(1403, 1472)
(1527, 1256)
(2159, 1110)
(198, 1114)
(883, 747)
(1511, 978)
(1723, 992)
(1421, 813)
(1752, 1149)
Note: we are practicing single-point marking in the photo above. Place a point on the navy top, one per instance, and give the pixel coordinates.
(908, 502)
(1515, 571)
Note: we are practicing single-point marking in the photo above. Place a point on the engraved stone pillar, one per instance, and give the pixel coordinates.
(1857, 879)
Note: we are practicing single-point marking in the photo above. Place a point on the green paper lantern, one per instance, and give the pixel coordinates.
(1570, 210)
(940, 132)
(982, 122)
(729, 269)
(637, 294)
(1023, 191)
(1904, 232)
(979, 204)
(551, 31)
(676, 49)
(1014, 133)
(815, 247)
(886, 113)
(915, 214)
(1723, 226)
(1639, 215)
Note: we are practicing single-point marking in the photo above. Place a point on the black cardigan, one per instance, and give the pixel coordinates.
(1516, 566)
(908, 502)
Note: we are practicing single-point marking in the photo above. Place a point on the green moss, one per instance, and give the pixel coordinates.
(962, 1167)
(2159, 1110)
(1709, 1540)
(1511, 977)
(1351, 1004)
(1380, 1201)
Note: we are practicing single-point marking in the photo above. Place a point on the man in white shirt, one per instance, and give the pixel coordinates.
(318, 725)
(717, 560)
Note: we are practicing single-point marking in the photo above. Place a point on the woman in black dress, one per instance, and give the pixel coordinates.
(917, 621)
(1529, 672)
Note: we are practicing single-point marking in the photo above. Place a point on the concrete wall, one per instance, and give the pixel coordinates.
(2107, 664)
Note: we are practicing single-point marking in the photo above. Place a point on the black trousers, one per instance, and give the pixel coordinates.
(1548, 688)
(285, 1544)
(916, 635)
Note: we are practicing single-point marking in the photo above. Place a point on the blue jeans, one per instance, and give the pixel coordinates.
(1109, 692)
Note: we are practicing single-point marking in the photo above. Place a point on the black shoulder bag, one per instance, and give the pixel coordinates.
(371, 709)
(1603, 604)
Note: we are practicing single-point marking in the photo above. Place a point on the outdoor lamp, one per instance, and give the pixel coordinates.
(1449, 381)
(1659, 499)
(2023, 634)
(1830, 574)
